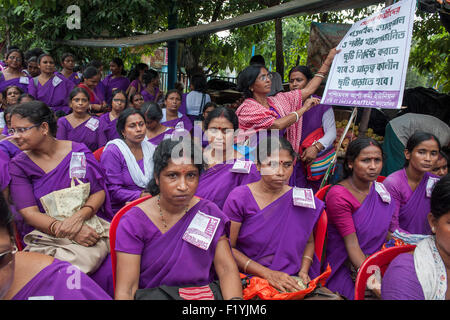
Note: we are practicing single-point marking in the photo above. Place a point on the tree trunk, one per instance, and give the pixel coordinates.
(279, 46)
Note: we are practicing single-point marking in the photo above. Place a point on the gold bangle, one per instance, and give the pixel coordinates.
(246, 265)
(88, 206)
(51, 227)
(308, 257)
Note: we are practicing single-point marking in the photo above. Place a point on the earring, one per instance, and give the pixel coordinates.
(433, 229)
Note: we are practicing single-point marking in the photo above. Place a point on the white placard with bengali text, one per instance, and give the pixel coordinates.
(370, 71)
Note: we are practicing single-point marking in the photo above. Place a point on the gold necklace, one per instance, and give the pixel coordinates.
(356, 189)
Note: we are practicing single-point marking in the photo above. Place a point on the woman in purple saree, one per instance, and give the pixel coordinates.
(411, 186)
(50, 87)
(156, 132)
(163, 237)
(34, 175)
(13, 75)
(151, 91)
(116, 80)
(224, 163)
(359, 211)
(34, 276)
(108, 121)
(171, 117)
(423, 273)
(271, 228)
(80, 126)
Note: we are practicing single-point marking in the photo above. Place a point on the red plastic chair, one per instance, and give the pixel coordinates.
(113, 229)
(320, 230)
(381, 178)
(17, 237)
(98, 153)
(381, 260)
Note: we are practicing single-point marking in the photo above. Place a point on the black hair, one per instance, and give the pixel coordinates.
(43, 56)
(37, 112)
(35, 52)
(149, 75)
(303, 69)
(264, 148)
(122, 119)
(95, 63)
(198, 81)
(417, 138)
(6, 217)
(134, 73)
(227, 113)
(117, 91)
(247, 77)
(23, 62)
(119, 63)
(152, 111)
(207, 105)
(440, 197)
(4, 93)
(76, 91)
(8, 110)
(25, 95)
(354, 149)
(32, 59)
(173, 91)
(257, 59)
(133, 95)
(66, 55)
(163, 154)
(89, 73)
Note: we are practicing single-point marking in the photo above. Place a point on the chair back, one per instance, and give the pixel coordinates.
(320, 232)
(113, 229)
(98, 153)
(380, 178)
(379, 260)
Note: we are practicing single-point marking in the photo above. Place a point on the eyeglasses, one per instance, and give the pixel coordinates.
(21, 130)
(264, 77)
(119, 100)
(7, 257)
(19, 59)
(139, 99)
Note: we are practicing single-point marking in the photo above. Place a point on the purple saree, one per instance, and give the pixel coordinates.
(400, 280)
(86, 132)
(275, 236)
(9, 148)
(371, 222)
(5, 178)
(162, 136)
(21, 82)
(216, 183)
(112, 84)
(181, 122)
(121, 186)
(167, 259)
(148, 96)
(412, 208)
(61, 281)
(108, 130)
(54, 93)
(29, 182)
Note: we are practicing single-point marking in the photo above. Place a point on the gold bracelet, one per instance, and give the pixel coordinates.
(88, 206)
(308, 257)
(51, 227)
(321, 75)
(246, 265)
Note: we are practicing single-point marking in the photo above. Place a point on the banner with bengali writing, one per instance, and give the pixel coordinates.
(370, 71)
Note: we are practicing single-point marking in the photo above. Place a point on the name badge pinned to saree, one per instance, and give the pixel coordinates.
(78, 165)
(56, 81)
(93, 124)
(24, 80)
(303, 197)
(382, 191)
(167, 136)
(179, 125)
(241, 166)
(430, 185)
(201, 230)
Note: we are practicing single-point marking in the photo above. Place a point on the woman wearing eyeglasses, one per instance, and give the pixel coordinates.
(80, 126)
(108, 121)
(13, 74)
(33, 276)
(283, 111)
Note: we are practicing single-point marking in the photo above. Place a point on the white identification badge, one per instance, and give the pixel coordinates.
(201, 230)
(24, 80)
(430, 185)
(241, 166)
(42, 298)
(303, 197)
(93, 124)
(78, 165)
(382, 191)
(56, 81)
(167, 136)
(179, 125)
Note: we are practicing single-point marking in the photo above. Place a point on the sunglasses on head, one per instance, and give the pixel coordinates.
(6, 257)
